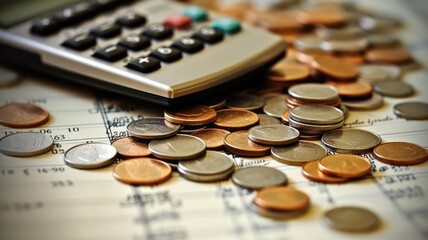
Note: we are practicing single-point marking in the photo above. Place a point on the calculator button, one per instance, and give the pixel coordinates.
(158, 31)
(226, 25)
(177, 21)
(106, 30)
(105, 4)
(196, 13)
(188, 44)
(209, 35)
(80, 42)
(144, 64)
(110, 53)
(45, 26)
(166, 54)
(131, 20)
(135, 42)
(75, 13)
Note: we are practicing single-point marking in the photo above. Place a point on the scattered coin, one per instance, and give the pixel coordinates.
(267, 120)
(412, 110)
(285, 116)
(281, 198)
(210, 163)
(22, 115)
(235, 119)
(90, 155)
(353, 141)
(313, 128)
(313, 92)
(26, 144)
(239, 143)
(344, 165)
(152, 128)
(287, 73)
(326, 16)
(178, 147)
(397, 55)
(276, 21)
(257, 177)
(205, 178)
(378, 23)
(375, 101)
(7, 77)
(394, 89)
(191, 129)
(334, 67)
(280, 215)
(382, 40)
(372, 73)
(345, 32)
(245, 101)
(275, 106)
(352, 90)
(351, 219)
(273, 134)
(130, 147)
(191, 115)
(351, 46)
(216, 102)
(308, 43)
(213, 137)
(142, 171)
(400, 153)
(316, 114)
(310, 137)
(298, 153)
(311, 171)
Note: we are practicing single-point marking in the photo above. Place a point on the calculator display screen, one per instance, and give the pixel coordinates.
(15, 11)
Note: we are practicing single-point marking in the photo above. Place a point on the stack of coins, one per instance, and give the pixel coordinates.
(313, 94)
(316, 119)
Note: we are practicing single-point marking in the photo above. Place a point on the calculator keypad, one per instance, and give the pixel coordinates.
(144, 64)
(106, 30)
(131, 20)
(80, 42)
(110, 53)
(209, 35)
(166, 54)
(158, 31)
(178, 21)
(188, 44)
(135, 42)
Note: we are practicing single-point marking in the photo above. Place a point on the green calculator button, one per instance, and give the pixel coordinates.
(226, 25)
(196, 13)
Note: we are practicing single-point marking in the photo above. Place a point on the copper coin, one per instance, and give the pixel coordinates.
(353, 59)
(352, 89)
(326, 16)
(285, 116)
(395, 55)
(213, 137)
(310, 171)
(22, 115)
(239, 143)
(191, 115)
(281, 198)
(400, 153)
(335, 67)
(294, 102)
(130, 147)
(308, 57)
(235, 119)
(288, 71)
(344, 165)
(277, 21)
(142, 171)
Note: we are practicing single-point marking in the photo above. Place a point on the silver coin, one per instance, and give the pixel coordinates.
(152, 128)
(346, 32)
(345, 45)
(191, 129)
(313, 92)
(245, 101)
(308, 43)
(412, 110)
(280, 215)
(314, 128)
(206, 178)
(178, 147)
(90, 155)
(353, 141)
(375, 101)
(267, 120)
(275, 106)
(298, 153)
(351, 219)
(393, 89)
(345, 110)
(26, 144)
(7, 77)
(257, 177)
(382, 40)
(372, 73)
(210, 163)
(378, 23)
(273, 134)
(316, 114)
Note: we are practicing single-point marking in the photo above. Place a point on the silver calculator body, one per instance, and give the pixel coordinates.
(239, 53)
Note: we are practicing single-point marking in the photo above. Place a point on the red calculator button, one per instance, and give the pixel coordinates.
(177, 21)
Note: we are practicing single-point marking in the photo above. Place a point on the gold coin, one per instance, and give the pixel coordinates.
(22, 115)
(344, 165)
(192, 115)
(130, 147)
(239, 143)
(142, 171)
(400, 153)
(281, 198)
(213, 137)
(235, 119)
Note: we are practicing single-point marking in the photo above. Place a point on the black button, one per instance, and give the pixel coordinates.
(166, 54)
(144, 64)
(209, 35)
(75, 13)
(188, 44)
(158, 31)
(131, 20)
(110, 53)
(45, 26)
(106, 30)
(80, 42)
(135, 42)
(105, 4)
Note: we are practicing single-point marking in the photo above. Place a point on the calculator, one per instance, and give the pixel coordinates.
(161, 51)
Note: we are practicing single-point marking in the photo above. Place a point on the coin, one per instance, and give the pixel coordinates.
(354, 141)
(178, 147)
(207, 177)
(273, 134)
(275, 106)
(394, 89)
(142, 171)
(316, 114)
(90, 155)
(344, 165)
(351, 219)
(26, 144)
(375, 101)
(285, 116)
(257, 177)
(152, 128)
(372, 73)
(378, 23)
(7, 77)
(281, 215)
(281, 198)
(308, 43)
(310, 137)
(239, 143)
(130, 147)
(352, 90)
(191, 115)
(210, 163)
(191, 129)
(382, 40)
(313, 92)
(352, 46)
(345, 32)
(412, 110)
(311, 171)
(314, 128)
(397, 55)
(277, 21)
(400, 153)
(235, 119)
(326, 16)
(298, 153)
(288, 72)
(213, 137)
(292, 102)
(216, 102)
(267, 120)
(334, 67)
(22, 115)
(245, 101)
